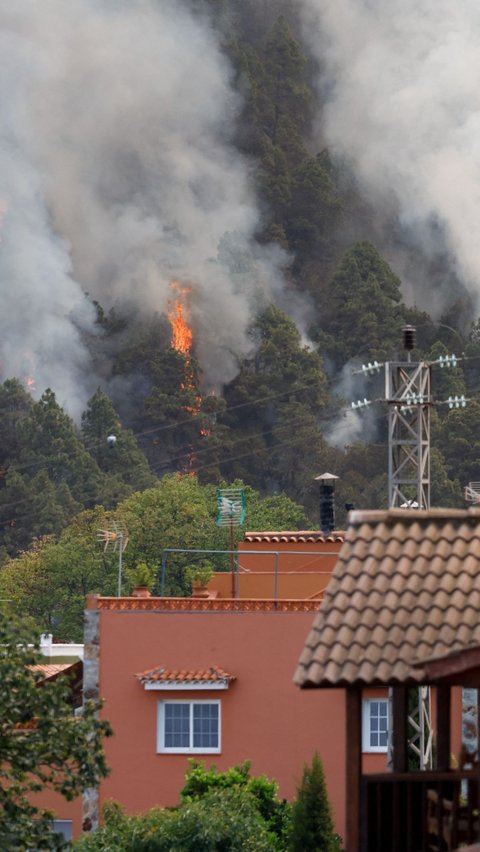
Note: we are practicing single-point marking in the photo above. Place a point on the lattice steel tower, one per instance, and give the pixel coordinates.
(408, 392)
(408, 395)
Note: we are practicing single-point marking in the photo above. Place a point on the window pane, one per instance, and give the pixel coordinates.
(205, 725)
(177, 726)
(378, 733)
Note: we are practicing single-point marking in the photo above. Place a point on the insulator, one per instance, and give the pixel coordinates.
(409, 337)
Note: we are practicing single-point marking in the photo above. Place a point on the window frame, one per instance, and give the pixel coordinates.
(191, 749)
(367, 747)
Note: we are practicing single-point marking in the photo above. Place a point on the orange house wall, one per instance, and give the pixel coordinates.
(261, 586)
(61, 808)
(293, 556)
(265, 718)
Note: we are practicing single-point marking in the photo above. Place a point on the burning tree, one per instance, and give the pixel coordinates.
(182, 342)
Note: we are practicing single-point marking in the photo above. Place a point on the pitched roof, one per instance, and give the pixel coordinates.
(295, 535)
(49, 671)
(406, 588)
(211, 675)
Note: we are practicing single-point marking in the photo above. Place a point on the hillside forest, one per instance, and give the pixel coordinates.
(285, 416)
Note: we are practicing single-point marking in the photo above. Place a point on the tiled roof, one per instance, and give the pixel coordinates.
(295, 536)
(406, 588)
(212, 675)
(51, 670)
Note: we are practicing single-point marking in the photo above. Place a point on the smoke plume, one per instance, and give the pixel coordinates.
(400, 81)
(119, 175)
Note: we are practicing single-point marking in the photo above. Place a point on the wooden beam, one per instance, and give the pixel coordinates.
(443, 727)
(400, 729)
(353, 766)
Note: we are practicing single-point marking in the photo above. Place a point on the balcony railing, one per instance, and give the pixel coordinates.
(419, 811)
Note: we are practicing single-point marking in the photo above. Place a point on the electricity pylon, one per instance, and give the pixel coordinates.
(408, 394)
(409, 400)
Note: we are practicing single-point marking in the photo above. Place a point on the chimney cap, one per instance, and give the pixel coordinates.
(325, 476)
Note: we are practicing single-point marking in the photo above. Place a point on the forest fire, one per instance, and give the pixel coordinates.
(182, 334)
(182, 341)
(29, 376)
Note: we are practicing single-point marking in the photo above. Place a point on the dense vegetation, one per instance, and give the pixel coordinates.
(224, 810)
(43, 744)
(281, 420)
(50, 580)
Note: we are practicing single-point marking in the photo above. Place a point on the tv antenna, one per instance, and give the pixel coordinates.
(115, 537)
(231, 513)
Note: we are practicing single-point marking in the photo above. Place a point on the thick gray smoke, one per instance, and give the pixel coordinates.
(117, 176)
(403, 107)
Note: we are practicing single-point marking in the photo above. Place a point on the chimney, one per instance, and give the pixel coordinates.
(327, 501)
(409, 337)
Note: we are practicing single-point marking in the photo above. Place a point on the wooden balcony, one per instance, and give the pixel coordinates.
(419, 811)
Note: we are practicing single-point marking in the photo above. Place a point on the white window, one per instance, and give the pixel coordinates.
(375, 724)
(189, 726)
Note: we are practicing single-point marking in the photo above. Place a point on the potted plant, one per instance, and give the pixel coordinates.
(199, 576)
(142, 581)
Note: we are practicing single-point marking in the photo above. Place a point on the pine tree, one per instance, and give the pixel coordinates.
(124, 463)
(312, 823)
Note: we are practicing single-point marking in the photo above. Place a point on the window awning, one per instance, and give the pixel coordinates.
(213, 677)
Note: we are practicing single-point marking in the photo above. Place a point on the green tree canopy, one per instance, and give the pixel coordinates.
(42, 744)
(364, 312)
(50, 581)
(124, 460)
(218, 811)
(274, 400)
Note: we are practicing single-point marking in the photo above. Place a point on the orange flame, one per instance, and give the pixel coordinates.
(182, 334)
(29, 374)
(182, 341)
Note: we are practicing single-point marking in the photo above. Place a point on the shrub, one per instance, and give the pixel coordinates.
(312, 824)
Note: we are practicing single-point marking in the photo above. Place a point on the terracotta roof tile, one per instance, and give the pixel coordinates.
(213, 674)
(406, 586)
(295, 535)
(51, 670)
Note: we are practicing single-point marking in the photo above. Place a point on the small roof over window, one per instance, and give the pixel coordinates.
(161, 677)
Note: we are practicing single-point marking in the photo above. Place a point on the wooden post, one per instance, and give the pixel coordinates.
(443, 727)
(353, 773)
(399, 729)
